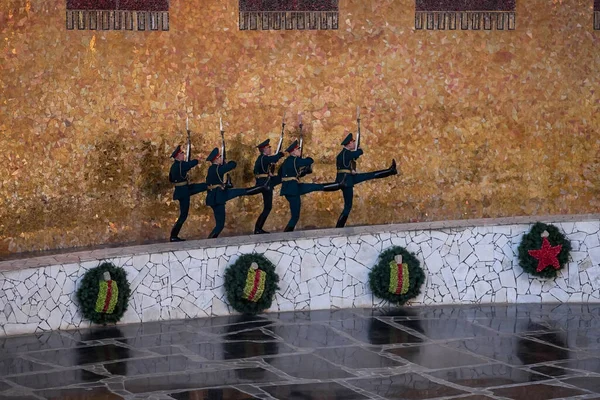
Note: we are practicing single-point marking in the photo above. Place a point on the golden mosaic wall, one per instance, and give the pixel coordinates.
(483, 123)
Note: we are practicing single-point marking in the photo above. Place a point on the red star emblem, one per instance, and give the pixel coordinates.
(546, 256)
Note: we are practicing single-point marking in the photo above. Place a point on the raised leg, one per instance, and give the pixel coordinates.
(233, 193)
(305, 188)
(363, 177)
(197, 188)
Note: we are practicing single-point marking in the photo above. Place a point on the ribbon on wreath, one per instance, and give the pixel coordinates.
(399, 276)
(108, 295)
(255, 283)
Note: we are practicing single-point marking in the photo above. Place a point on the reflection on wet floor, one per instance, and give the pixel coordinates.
(470, 352)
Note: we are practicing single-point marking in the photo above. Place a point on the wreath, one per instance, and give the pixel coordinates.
(103, 294)
(251, 283)
(544, 251)
(397, 277)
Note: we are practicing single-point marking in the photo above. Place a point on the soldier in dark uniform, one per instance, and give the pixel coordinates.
(292, 169)
(218, 194)
(264, 172)
(183, 189)
(346, 172)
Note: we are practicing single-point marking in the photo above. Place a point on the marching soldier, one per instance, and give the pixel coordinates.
(346, 172)
(183, 189)
(292, 169)
(218, 192)
(265, 176)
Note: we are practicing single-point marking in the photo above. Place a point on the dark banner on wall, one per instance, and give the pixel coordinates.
(289, 14)
(140, 15)
(465, 14)
(597, 14)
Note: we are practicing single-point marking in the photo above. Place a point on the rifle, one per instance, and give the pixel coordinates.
(353, 162)
(188, 152)
(228, 184)
(304, 170)
(272, 166)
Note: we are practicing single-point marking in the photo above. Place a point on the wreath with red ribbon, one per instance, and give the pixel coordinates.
(103, 294)
(544, 250)
(397, 277)
(251, 283)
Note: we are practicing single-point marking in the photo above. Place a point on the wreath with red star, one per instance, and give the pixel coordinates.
(544, 250)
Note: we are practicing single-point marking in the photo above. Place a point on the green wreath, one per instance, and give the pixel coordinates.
(537, 240)
(388, 279)
(251, 283)
(103, 294)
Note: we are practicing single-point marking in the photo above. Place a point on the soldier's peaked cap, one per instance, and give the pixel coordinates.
(347, 140)
(292, 146)
(264, 144)
(213, 155)
(176, 151)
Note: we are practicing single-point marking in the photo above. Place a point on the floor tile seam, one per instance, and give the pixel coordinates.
(541, 341)
(264, 395)
(109, 375)
(519, 384)
(340, 382)
(554, 382)
(444, 382)
(353, 370)
(472, 353)
(438, 381)
(359, 390)
(341, 333)
(80, 385)
(166, 392)
(55, 369)
(582, 372)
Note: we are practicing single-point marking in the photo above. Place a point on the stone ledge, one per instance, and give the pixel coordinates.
(103, 253)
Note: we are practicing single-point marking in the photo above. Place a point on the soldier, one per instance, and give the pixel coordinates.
(346, 172)
(292, 169)
(218, 193)
(183, 189)
(264, 172)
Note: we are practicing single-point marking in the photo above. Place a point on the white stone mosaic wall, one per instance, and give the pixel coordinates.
(462, 266)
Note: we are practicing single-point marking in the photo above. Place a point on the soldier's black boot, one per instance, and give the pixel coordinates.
(288, 228)
(332, 187)
(213, 235)
(392, 170)
(341, 221)
(256, 190)
(258, 228)
(176, 239)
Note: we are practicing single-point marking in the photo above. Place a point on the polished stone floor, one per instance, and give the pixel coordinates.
(525, 352)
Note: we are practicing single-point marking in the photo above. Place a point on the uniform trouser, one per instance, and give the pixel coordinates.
(296, 203)
(348, 192)
(184, 207)
(267, 196)
(219, 210)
